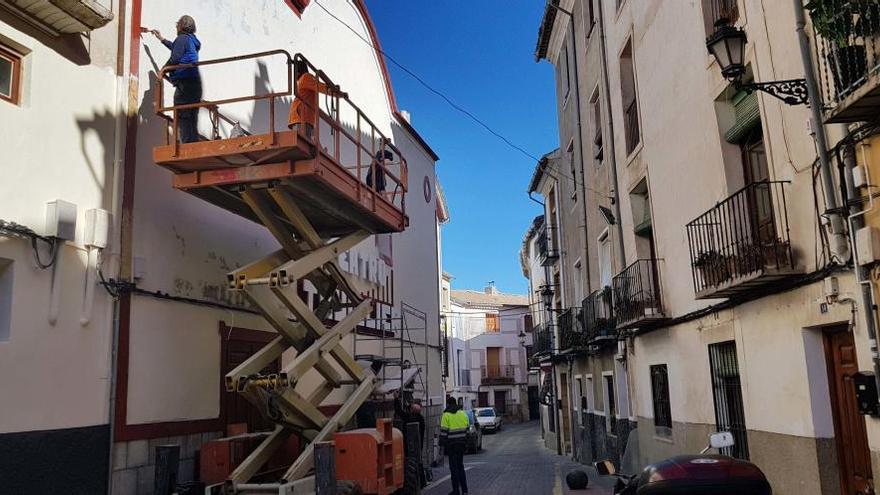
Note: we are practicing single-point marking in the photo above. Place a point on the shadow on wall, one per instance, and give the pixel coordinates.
(73, 47)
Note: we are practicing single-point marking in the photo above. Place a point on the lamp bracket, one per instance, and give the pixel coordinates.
(791, 91)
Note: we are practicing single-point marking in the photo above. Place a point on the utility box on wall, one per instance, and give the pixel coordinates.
(866, 393)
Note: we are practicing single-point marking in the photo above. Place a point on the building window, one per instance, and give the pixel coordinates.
(298, 6)
(605, 262)
(5, 299)
(610, 405)
(565, 73)
(573, 168)
(527, 323)
(578, 405)
(589, 17)
(727, 395)
(590, 396)
(717, 12)
(596, 114)
(660, 395)
(492, 322)
(10, 75)
(632, 131)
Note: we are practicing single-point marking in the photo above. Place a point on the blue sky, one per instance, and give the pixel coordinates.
(481, 55)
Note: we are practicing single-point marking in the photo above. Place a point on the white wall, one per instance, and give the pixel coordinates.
(59, 143)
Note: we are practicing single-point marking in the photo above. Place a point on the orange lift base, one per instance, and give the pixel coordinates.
(332, 198)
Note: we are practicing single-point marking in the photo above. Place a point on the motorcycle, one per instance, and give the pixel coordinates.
(702, 474)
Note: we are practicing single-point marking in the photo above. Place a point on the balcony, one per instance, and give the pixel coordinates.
(59, 17)
(542, 339)
(637, 300)
(571, 335)
(498, 375)
(547, 244)
(847, 48)
(742, 243)
(598, 317)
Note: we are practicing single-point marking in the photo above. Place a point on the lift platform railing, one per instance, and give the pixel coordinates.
(343, 132)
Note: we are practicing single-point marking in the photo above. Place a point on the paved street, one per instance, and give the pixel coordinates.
(515, 461)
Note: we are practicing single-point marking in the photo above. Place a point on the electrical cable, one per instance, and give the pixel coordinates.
(14, 230)
(446, 98)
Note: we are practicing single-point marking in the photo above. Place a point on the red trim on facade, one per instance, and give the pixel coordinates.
(126, 223)
(297, 6)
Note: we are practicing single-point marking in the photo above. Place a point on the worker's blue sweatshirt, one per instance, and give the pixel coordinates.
(184, 50)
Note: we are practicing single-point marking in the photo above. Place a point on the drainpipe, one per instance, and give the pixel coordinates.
(839, 243)
(612, 155)
(863, 276)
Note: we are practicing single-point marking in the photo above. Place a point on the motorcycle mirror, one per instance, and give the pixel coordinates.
(721, 440)
(605, 468)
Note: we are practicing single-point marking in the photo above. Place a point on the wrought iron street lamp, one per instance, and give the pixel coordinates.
(728, 45)
(522, 338)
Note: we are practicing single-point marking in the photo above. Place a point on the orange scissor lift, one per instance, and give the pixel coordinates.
(310, 188)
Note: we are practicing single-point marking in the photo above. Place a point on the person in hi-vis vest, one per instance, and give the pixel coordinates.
(453, 438)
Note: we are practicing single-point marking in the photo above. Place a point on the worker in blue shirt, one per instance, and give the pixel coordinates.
(187, 81)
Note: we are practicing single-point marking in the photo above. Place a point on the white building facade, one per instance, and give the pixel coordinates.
(142, 364)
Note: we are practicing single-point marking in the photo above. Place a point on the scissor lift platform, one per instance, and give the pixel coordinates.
(317, 199)
(335, 200)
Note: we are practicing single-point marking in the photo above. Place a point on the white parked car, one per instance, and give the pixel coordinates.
(488, 419)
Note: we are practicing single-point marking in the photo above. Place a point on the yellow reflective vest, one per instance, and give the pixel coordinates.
(453, 428)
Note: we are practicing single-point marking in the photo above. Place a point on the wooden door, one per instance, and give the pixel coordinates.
(493, 362)
(501, 402)
(853, 456)
(566, 415)
(482, 399)
(237, 408)
(756, 171)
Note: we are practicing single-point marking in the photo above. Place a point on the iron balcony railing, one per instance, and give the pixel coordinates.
(598, 316)
(637, 294)
(571, 334)
(542, 339)
(847, 44)
(505, 373)
(740, 239)
(719, 12)
(547, 244)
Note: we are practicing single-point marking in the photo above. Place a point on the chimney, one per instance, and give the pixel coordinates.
(491, 289)
(406, 116)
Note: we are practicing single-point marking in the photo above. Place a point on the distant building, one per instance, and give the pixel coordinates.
(487, 360)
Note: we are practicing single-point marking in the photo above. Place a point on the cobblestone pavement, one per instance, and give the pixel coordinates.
(515, 462)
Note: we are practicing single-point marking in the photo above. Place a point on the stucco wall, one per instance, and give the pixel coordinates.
(59, 143)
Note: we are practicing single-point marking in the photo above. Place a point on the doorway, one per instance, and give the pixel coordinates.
(566, 415)
(850, 436)
(238, 345)
(501, 402)
(493, 362)
(482, 399)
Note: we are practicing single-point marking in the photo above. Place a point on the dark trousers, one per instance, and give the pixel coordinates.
(456, 468)
(188, 91)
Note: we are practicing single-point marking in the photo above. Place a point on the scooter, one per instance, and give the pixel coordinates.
(703, 474)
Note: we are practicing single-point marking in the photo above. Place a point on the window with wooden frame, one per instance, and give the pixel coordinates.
(629, 101)
(10, 75)
(589, 18)
(596, 114)
(660, 396)
(493, 323)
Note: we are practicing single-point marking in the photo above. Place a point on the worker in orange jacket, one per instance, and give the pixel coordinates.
(305, 107)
